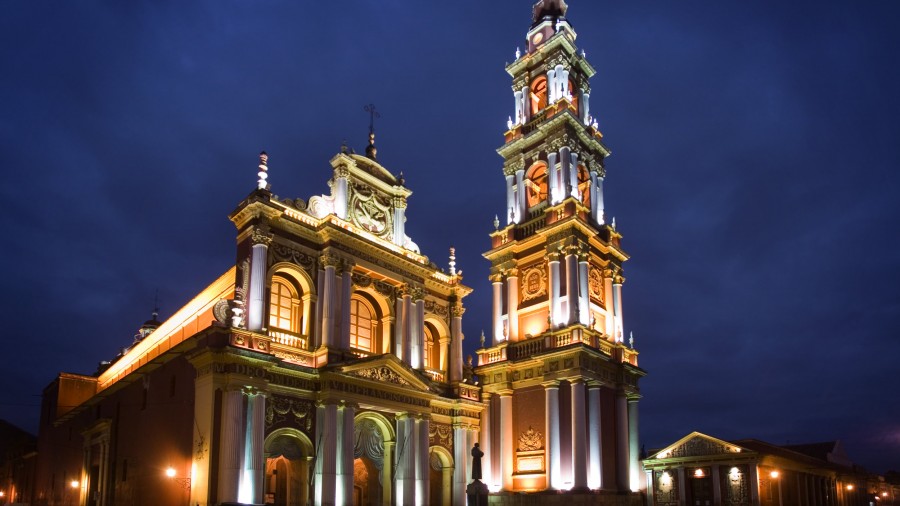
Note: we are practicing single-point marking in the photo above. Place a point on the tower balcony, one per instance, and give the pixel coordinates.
(576, 335)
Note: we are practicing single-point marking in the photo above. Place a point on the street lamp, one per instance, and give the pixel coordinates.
(185, 482)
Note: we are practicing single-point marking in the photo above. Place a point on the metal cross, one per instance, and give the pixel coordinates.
(372, 115)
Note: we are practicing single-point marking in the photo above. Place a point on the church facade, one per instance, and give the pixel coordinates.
(326, 365)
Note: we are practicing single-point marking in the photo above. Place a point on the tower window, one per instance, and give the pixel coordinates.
(536, 184)
(430, 362)
(361, 325)
(538, 94)
(284, 305)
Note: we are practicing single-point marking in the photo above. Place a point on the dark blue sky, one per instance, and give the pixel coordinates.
(754, 176)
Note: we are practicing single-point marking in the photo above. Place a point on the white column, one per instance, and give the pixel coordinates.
(617, 303)
(232, 446)
(510, 199)
(251, 487)
(622, 460)
(340, 192)
(507, 445)
(551, 86)
(565, 162)
(512, 305)
(608, 304)
(573, 170)
(327, 301)
(595, 463)
(346, 291)
(584, 295)
(519, 111)
(599, 212)
(406, 483)
(258, 255)
(398, 327)
(551, 407)
(521, 211)
(318, 339)
(422, 461)
(634, 445)
(399, 237)
(345, 448)
(487, 467)
(579, 437)
(585, 106)
(556, 319)
(571, 287)
(461, 449)
(497, 285)
(406, 322)
(553, 179)
(454, 368)
(328, 455)
(420, 329)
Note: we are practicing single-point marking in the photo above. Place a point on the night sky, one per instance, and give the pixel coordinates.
(754, 176)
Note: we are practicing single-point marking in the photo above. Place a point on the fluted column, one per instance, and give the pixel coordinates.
(346, 292)
(521, 210)
(512, 304)
(461, 449)
(399, 231)
(251, 489)
(571, 286)
(341, 194)
(565, 162)
(497, 285)
(506, 439)
(622, 459)
(579, 436)
(617, 303)
(553, 262)
(608, 303)
(423, 463)
(327, 300)
(345, 448)
(258, 256)
(584, 293)
(553, 179)
(510, 199)
(456, 342)
(551, 427)
(232, 445)
(595, 459)
(634, 445)
(716, 484)
(487, 466)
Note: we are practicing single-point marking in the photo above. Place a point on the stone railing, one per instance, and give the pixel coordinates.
(434, 374)
(287, 338)
(550, 340)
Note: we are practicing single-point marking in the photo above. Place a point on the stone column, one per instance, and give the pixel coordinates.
(512, 304)
(327, 300)
(406, 322)
(254, 458)
(341, 194)
(317, 335)
(617, 302)
(682, 486)
(456, 342)
(510, 200)
(551, 86)
(571, 285)
(521, 208)
(398, 326)
(634, 445)
(574, 175)
(595, 463)
(423, 463)
(346, 292)
(565, 161)
(461, 458)
(579, 436)
(754, 484)
(608, 303)
(584, 292)
(419, 327)
(507, 445)
(598, 201)
(232, 444)
(553, 179)
(387, 473)
(585, 106)
(258, 257)
(487, 466)
(650, 491)
(551, 428)
(622, 459)
(326, 472)
(553, 262)
(345, 448)
(399, 231)
(497, 285)
(526, 104)
(519, 112)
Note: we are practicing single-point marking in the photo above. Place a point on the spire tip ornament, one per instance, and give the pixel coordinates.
(452, 261)
(262, 183)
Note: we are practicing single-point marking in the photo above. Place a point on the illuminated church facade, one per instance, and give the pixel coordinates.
(326, 366)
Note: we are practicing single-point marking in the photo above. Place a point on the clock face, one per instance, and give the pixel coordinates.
(538, 37)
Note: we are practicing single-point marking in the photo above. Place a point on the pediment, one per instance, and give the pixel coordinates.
(386, 369)
(697, 444)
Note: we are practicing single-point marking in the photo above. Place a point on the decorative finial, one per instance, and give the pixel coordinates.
(371, 151)
(400, 178)
(496, 222)
(155, 312)
(262, 184)
(518, 53)
(452, 261)
(344, 148)
(509, 123)
(631, 339)
(614, 223)
(482, 338)
(583, 53)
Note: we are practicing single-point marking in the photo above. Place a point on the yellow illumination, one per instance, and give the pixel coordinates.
(774, 474)
(698, 473)
(850, 487)
(74, 484)
(884, 494)
(170, 472)
(2, 493)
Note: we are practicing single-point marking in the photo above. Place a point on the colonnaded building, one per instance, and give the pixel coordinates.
(326, 366)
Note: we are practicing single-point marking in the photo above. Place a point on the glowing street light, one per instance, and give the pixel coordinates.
(74, 484)
(774, 475)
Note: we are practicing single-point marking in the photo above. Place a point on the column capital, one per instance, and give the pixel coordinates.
(550, 384)
(457, 310)
(417, 293)
(261, 235)
(594, 384)
(329, 260)
(552, 256)
(506, 392)
(496, 278)
(346, 266)
(349, 404)
(342, 171)
(403, 291)
(512, 273)
(399, 202)
(577, 381)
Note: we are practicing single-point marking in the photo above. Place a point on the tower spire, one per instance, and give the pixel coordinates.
(371, 150)
(549, 8)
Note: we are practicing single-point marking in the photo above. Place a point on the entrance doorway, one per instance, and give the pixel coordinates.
(288, 452)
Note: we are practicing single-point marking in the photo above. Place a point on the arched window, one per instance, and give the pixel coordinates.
(362, 325)
(430, 361)
(573, 102)
(538, 94)
(584, 185)
(536, 184)
(284, 305)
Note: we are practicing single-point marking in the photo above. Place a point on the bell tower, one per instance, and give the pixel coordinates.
(560, 382)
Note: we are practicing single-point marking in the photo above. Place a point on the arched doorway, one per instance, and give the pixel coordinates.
(372, 454)
(440, 477)
(288, 452)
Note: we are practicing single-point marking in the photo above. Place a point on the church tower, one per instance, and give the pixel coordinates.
(560, 382)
